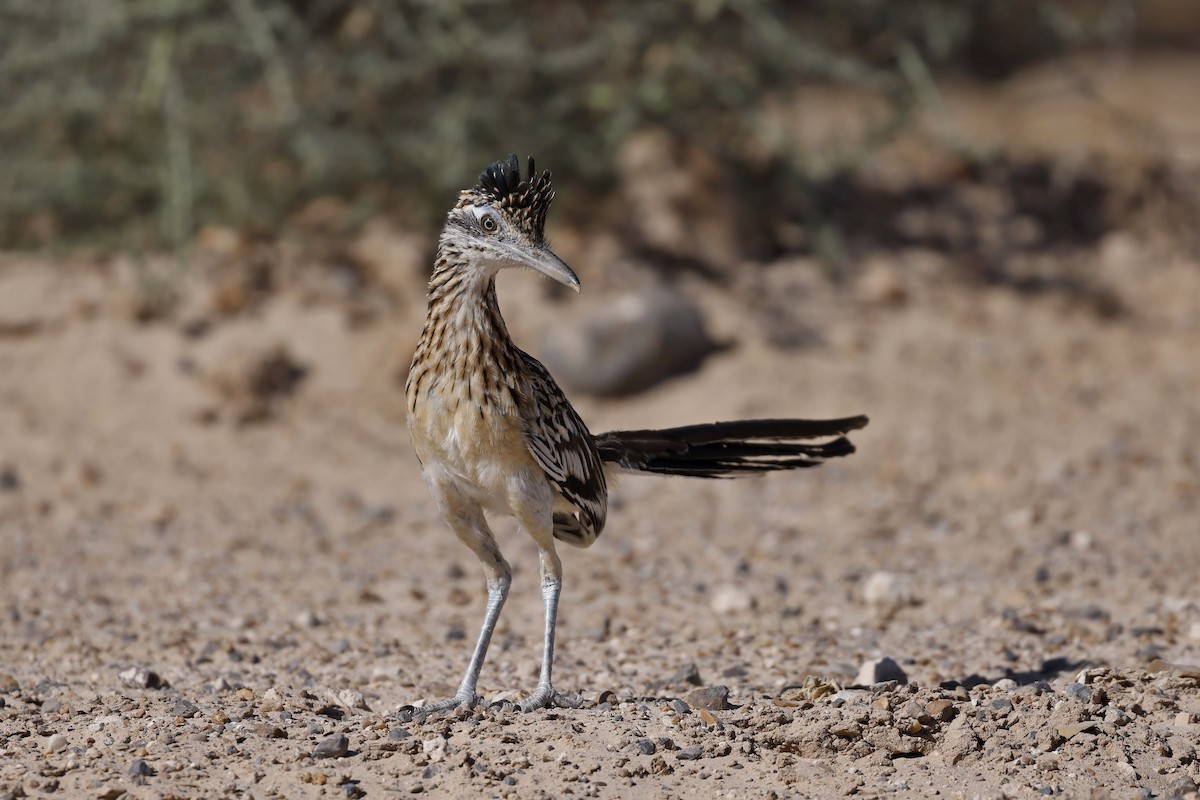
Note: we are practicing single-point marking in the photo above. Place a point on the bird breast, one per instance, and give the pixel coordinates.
(477, 446)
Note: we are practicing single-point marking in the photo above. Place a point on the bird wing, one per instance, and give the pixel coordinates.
(563, 447)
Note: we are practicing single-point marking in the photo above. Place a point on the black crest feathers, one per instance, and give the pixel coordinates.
(527, 199)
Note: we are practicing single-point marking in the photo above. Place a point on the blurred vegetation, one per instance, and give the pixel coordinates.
(139, 121)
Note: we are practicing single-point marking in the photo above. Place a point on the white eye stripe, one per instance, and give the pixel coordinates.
(486, 218)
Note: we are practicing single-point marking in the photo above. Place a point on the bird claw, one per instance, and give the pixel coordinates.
(411, 713)
(547, 697)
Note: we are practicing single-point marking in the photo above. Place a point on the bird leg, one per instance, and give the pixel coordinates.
(545, 695)
(471, 527)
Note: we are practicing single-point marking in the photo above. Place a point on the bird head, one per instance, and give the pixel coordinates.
(501, 222)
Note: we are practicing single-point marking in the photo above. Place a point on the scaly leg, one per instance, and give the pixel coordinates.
(545, 695)
(469, 524)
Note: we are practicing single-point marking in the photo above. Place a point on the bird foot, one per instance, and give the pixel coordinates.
(545, 696)
(460, 700)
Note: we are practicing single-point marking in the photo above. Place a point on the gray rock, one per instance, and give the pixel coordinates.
(185, 708)
(1080, 692)
(690, 753)
(333, 746)
(645, 747)
(140, 769)
(880, 670)
(714, 698)
(633, 343)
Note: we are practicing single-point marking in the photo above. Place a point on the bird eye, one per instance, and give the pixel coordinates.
(488, 223)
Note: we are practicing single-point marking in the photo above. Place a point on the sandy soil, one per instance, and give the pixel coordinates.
(208, 580)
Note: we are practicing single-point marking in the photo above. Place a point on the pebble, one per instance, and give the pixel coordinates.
(941, 710)
(1080, 692)
(184, 708)
(690, 753)
(730, 599)
(55, 743)
(351, 700)
(333, 746)
(714, 698)
(138, 768)
(1115, 716)
(645, 747)
(141, 678)
(880, 670)
(435, 748)
(1067, 731)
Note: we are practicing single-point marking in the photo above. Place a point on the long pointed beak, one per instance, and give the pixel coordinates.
(550, 265)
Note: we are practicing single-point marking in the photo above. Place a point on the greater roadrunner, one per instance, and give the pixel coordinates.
(494, 433)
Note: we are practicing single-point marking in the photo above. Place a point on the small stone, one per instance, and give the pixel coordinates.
(846, 729)
(351, 700)
(141, 678)
(714, 698)
(1067, 731)
(645, 747)
(880, 670)
(1115, 716)
(185, 708)
(272, 700)
(435, 748)
(138, 768)
(1183, 719)
(8, 684)
(941, 710)
(333, 746)
(55, 743)
(730, 599)
(1079, 692)
(1002, 706)
(690, 753)
(397, 734)
(268, 731)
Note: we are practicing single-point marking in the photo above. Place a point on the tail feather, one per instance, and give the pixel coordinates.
(729, 449)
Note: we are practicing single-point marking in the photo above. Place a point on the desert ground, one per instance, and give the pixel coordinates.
(222, 574)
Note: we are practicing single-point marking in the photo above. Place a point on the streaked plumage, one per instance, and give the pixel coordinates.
(494, 432)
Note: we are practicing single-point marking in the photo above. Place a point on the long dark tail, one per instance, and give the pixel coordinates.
(729, 449)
